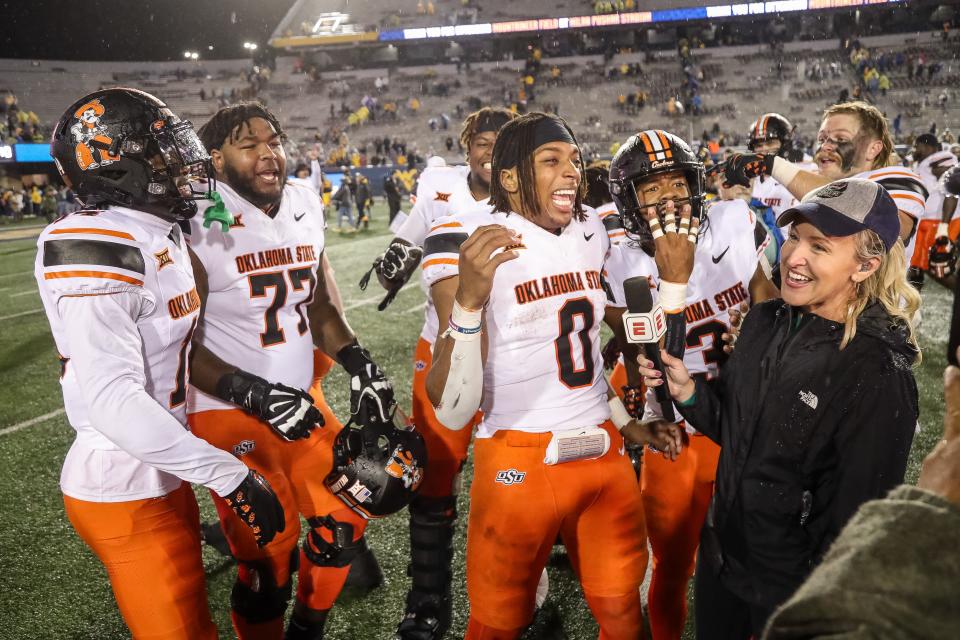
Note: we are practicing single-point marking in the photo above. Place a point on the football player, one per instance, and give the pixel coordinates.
(441, 191)
(772, 134)
(599, 199)
(853, 142)
(519, 298)
(267, 304)
(943, 253)
(931, 164)
(654, 176)
(119, 292)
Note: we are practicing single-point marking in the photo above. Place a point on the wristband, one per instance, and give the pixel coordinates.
(618, 413)
(942, 229)
(784, 171)
(464, 323)
(673, 296)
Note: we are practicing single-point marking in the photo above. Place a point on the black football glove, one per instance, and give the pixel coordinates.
(393, 268)
(371, 394)
(740, 168)
(633, 401)
(257, 505)
(610, 353)
(288, 411)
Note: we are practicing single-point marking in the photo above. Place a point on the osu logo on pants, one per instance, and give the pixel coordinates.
(511, 476)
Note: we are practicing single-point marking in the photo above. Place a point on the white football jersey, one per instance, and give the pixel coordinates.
(725, 261)
(907, 190)
(611, 220)
(773, 194)
(261, 276)
(543, 370)
(441, 191)
(121, 261)
(941, 159)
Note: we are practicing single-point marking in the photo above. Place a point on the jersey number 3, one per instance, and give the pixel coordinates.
(259, 283)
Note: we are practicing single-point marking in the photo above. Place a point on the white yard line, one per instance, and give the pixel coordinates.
(22, 313)
(25, 293)
(419, 307)
(18, 273)
(31, 422)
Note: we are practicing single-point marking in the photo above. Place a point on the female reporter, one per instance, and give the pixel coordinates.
(815, 410)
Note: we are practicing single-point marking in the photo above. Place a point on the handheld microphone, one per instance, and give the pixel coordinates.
(645, 324)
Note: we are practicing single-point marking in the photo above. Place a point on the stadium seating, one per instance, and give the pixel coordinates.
(738, 84)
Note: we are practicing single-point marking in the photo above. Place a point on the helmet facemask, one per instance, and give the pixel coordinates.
(633, 215)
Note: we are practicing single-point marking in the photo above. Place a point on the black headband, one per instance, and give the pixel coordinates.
(491, 122)
(548, 130)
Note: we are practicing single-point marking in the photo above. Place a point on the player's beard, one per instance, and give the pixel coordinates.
(244, 187)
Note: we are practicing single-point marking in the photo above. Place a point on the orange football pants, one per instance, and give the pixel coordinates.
(518, 507)
(926, 234)
(675, 500)
(151, 551)
(295, 471)
(446, 448)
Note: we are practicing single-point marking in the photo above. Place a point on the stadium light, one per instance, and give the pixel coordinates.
(252, 46)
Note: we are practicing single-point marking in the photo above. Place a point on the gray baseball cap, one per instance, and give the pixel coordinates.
(846, 207)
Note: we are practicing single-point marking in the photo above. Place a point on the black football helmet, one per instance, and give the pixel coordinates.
(772, 126)
(376, 469)
(644, 155)
(943, 258)
(125, 147)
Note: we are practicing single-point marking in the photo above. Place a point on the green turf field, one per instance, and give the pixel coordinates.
(54, 588)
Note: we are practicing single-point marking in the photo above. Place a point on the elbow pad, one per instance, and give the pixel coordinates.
(464, 387)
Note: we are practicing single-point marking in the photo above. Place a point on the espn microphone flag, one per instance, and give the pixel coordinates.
(646, 325)
(643, 322)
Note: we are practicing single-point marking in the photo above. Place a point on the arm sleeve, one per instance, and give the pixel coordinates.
(441, 250)
(417, 225)
(873, 442)
(105, 351)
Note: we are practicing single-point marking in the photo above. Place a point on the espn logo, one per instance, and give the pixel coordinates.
(645, 327)
(510, 476)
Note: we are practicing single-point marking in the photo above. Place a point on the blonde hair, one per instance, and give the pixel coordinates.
(887, 285)
(873, 122)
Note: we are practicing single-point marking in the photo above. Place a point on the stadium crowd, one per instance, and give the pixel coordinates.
(756, 443)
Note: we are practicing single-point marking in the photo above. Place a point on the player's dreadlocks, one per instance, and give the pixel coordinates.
(515, 146)
(228, 121)
(485, 119)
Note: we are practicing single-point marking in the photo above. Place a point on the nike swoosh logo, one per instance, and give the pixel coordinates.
(718, 258)
(587, 237)
(298, 217)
